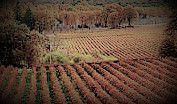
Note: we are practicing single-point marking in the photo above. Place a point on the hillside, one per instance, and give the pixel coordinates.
(145, 3)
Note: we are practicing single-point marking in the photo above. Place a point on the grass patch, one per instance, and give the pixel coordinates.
(55, 57)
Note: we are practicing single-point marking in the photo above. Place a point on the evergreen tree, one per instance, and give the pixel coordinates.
(29, 19)
(18, 15)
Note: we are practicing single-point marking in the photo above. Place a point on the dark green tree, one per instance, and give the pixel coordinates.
(29, 19)
(18, 15)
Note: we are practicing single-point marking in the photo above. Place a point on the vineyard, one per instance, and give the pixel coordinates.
(88, 52)
(141, 81)
(130, 43)
(138, 76)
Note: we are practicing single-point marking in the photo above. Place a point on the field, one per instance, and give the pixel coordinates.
(88, 52)
(141, 81)
(137, 76)
(126, 43)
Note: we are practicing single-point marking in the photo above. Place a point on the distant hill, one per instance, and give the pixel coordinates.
(144, 3)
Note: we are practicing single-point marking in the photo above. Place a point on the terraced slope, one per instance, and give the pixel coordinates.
(140, 81)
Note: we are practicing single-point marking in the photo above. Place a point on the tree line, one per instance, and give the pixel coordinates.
(50, 17)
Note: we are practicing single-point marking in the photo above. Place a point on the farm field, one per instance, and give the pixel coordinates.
(127, 43)
(138, 76)
(141, 81)
(88, 52)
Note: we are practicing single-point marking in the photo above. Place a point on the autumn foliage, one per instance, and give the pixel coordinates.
(52, 17)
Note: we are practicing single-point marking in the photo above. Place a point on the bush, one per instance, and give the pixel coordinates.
(77, 59)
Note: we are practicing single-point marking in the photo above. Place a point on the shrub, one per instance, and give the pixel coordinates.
(77, 59)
